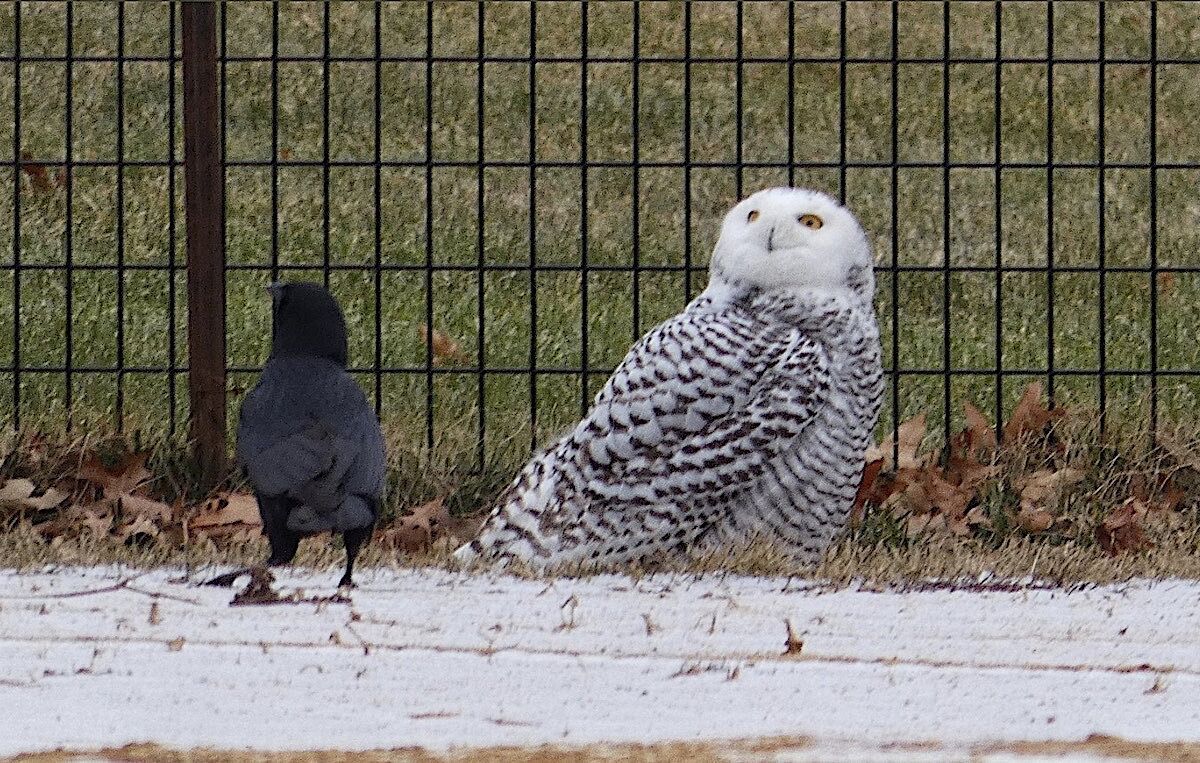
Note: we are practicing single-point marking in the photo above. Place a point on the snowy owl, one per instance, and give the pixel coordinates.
(744, 417)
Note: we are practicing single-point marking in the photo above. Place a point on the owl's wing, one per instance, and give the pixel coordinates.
(697, 405)
(683, 425)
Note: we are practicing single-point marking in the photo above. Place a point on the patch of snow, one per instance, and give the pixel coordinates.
(438, 660)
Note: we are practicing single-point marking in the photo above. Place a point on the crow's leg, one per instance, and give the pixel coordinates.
(284, 542)
(354, 539)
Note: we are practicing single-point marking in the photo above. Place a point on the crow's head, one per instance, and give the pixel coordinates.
(306, 322)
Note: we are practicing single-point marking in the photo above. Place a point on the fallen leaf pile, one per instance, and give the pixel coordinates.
(103, 500)
(923, 494)
(1025, 479)
(931, 493)
(1125, 527)
(117, 501)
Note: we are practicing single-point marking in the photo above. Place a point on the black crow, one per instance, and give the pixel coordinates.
(307, 437)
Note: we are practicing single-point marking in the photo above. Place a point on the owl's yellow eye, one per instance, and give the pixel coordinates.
(752, 216)
(811, 221)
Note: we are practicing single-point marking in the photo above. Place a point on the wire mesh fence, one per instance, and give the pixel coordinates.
(505, 195)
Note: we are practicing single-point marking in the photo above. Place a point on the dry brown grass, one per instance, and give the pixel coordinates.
(1109, 747)
(615, 753)
(884, 550)
(1099, 745)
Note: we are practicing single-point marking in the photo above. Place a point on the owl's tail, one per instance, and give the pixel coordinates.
(514, 529)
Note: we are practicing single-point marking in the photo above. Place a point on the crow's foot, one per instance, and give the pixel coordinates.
(226, 580)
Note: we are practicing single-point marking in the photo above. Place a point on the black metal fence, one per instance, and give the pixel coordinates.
(506, 194)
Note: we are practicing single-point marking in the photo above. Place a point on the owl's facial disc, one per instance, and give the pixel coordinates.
(791, 237)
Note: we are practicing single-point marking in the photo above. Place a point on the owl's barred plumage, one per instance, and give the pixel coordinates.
(745, 416)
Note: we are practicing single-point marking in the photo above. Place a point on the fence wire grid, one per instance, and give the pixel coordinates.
(541, 182)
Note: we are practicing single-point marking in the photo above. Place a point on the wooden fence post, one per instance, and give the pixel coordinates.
(204, 183)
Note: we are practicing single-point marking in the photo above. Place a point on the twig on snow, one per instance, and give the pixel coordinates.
(118, 586)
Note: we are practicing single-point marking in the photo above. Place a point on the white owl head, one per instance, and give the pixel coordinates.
(784, 238)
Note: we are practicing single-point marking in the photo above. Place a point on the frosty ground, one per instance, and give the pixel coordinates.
(95, 658)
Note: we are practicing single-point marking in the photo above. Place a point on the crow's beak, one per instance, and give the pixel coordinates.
(274, 290)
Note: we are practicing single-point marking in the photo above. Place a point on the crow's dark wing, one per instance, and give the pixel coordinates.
(307, 431)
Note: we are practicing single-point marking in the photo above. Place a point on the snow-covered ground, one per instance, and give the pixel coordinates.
(101, 657)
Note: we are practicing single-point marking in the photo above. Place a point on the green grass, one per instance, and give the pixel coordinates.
(561, 206)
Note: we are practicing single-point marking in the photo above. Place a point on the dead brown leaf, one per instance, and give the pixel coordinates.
(425, 524)
(929, 503)
(793, 646)
(920, 486)
(921, 492)
(976, 516)
(1165, 497)
(1030, 416)
(916, 524)
(946, 498)
(145, 508)
(907, 440)
(19, 494)
(445, 349)
(969, 474)
(16, 491)
(50, 499)
(1139, 488)
(1166, 284)
(979, 434)
(38, 174)
(1045, 487)
(37, 449)
(1170, 497)
(970, 461)
(415, 530)
(95, 518)
(138, 527)
(229, 516)
(927, 492)
(1122, 530)
(121, 479)
(866, 487)
(1034, 520)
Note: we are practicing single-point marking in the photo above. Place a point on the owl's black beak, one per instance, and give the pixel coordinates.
(771, 239)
